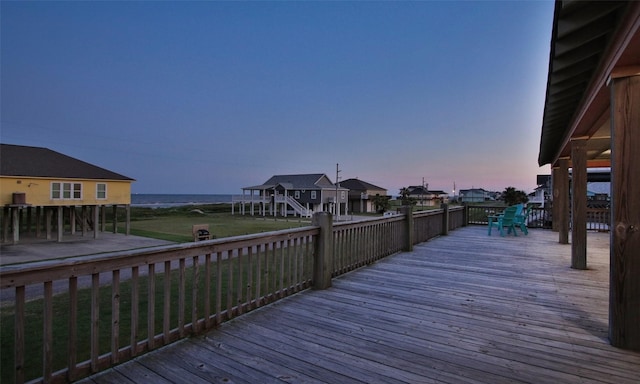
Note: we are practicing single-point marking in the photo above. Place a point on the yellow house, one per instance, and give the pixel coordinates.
(38, 185)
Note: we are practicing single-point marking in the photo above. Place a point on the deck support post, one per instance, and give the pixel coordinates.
(72, 219)
(60, 218)
(579, 203)
(554, 203)
(29, 221)
(624, 285)
(39, 215)
(561, 197)
(445, 218)
(407, 211)
(15, 215)
(103, 220)
(323, 258)
(127, 224)
(96, 221)
(48, 218)
(6, 218)
(115, 218)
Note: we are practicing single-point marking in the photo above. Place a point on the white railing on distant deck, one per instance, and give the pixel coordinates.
(250, 199)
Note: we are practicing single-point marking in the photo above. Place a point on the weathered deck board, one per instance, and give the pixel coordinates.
(464, 308)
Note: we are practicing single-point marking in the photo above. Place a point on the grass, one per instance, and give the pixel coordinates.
(174, 224)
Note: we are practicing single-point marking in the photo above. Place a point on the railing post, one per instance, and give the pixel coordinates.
(323, 257)
(445, 218)
(407, 211)
(465, 214)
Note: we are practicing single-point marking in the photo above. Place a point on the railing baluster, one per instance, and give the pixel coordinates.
(240, 289)
(218, 288)
(229, 285)
(289, 275)
(47, 334)
(281, 277)
(19, 334)
(272, 286)
(166, 314)
(259, 275)
(135, 300)
(151, 306)
(95, 320)
(207, 291)
(181, 297)
(194, 294)
(115, 316)
(73, 328)
(250, 278)
(297, 276)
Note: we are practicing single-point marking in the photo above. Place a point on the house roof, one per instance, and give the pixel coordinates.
(359, 185)
(590, 41)
(24, 161)
(418, 190)
(303, 181)
(480, 190)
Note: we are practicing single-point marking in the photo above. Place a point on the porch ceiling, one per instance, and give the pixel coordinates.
(590, 41)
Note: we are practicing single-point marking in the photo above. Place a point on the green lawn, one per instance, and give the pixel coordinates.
(175, 224)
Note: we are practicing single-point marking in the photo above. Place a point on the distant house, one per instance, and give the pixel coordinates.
(361, 195)
(301, 195)
(51, 184)
(474, 195)
(538, 197)
(426, 197)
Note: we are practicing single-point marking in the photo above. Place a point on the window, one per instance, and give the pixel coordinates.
(66, 191)
(313, 194)
(101, 191)
(77, 191)
(342, 195)
(297, 195)
(55, 191)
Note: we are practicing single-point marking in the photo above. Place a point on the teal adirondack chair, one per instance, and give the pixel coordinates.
(507, 219)
(519, 208)
(521, 220)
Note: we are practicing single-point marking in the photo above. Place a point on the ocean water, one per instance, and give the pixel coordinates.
(167, 200)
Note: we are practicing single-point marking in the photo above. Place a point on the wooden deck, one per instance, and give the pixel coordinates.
(464, 308)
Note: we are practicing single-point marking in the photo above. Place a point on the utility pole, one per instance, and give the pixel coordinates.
(337, 206)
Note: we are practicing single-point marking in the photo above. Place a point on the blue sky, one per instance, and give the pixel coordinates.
(210, 97)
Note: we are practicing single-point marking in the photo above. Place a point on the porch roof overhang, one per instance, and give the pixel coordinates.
(591, 42)
(259, 187)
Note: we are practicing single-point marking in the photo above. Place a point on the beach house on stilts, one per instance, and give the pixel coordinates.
(47, 194)
(298, 195)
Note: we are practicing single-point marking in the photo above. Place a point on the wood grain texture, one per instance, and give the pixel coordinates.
(463, 308)
(625, 226)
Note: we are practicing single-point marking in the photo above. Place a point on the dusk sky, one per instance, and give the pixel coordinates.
(209, 97)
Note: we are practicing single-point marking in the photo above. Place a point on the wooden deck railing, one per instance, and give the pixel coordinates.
(362, 243)
(538, 217)
(597, 218)
(83, 315)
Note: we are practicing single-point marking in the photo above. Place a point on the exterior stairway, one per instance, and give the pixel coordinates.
(293, 203)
